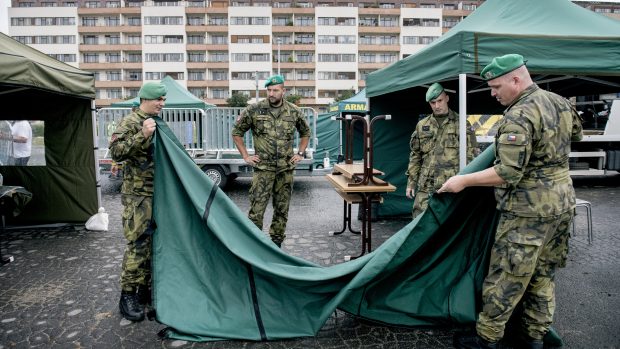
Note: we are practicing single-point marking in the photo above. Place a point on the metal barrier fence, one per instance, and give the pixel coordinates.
(198, 130)
(220, 121)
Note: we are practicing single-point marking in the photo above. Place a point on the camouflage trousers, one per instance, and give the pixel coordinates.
(266, 184)
(136, 267)
(522, 268)
(420, 203)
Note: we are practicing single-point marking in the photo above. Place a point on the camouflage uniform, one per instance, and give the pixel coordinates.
(537, 206)
(434, 156)
(129, 145)
(273, 131)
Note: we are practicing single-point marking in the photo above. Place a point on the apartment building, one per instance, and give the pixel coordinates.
(217, 48)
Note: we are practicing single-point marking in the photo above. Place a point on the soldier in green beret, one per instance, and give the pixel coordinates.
(434, 148)
(536, 200)
(131, 144)
(273, 123)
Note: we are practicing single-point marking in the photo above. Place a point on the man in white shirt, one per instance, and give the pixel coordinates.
(22, 142)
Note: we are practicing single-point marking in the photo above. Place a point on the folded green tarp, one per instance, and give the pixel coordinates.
(217, 276)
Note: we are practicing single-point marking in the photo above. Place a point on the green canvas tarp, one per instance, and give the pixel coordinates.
(34, 86)
(177, 97)
(217, 276)
(569, 50)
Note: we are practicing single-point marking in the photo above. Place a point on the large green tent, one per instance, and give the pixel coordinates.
(34, 86)
(177, 97)
(330, 133)
(569, 50)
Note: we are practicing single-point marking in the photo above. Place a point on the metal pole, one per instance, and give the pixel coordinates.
(278, 56)
(256, 76)
(462, 120)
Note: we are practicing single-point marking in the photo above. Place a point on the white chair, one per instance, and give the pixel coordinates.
(588, 206)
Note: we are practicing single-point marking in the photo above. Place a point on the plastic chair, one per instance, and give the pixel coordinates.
(588, 206)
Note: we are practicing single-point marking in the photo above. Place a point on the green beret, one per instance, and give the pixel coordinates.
(502, 65)
(274, 80)
(434, 91)
(152, 90)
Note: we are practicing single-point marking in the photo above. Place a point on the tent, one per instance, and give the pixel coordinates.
(569, 50)
(330, 134)
(177, 97)
(217, 276)
(34, 86)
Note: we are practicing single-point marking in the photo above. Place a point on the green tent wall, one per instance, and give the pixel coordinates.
(34, 86)
(217, 276)
(569, 50)
(177, 97)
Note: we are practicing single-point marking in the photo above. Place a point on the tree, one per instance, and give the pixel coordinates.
(238, 100)
(346, 94)
(293, 99)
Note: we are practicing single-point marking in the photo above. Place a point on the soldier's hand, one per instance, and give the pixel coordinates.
(410, 193)
(148, 127)
(454, 184)
(295, 159)
(252, 160)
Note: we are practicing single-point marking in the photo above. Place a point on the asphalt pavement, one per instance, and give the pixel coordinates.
(62, 289)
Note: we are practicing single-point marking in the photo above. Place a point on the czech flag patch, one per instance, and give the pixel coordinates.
(511, 138)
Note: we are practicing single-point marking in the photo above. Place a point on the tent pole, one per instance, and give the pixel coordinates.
(93, 113)
(462, 121)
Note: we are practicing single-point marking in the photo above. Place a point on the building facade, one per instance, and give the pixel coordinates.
(217, 48)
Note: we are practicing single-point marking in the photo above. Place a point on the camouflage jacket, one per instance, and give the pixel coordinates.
(129, 146)
(434, 153)
(532, 147)
(273, 133)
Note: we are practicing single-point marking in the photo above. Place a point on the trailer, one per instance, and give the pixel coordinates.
(596, 154)
(206, 136)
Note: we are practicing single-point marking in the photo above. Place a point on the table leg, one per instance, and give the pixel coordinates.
(346, 221)
(366, 219)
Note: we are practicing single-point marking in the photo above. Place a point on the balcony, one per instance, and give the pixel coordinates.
(378, 30)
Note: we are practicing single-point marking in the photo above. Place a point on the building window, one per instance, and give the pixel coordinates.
(196, 20)
(331, 75)
(196, 75)
(306, 92)
(113, 39)
(218, 39)
(155, 20)
(336, 39)
(163, 57)
(304, 57)
(304, 75)
(421, 22)
(219, 75)
(63, 57)
(195, 39)
(113, 75)
(196, 57)
(218, 57)
(133, 39)
(304, 21)
(133, 57)
(112, 21)
(218, 20)
(197, 91)
(89, 21)
(337, 57)
(304, 39)
(249, 20)
(134, 75)
(134, 21)
(113, 57)
(419, 40)
(219, 93)
(340, 21)
(250, 57)
(91, 57)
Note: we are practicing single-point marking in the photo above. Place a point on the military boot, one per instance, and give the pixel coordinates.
(144, 295)
(472, 341)
(130, 306)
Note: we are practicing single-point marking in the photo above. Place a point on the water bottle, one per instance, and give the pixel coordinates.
(326, 160)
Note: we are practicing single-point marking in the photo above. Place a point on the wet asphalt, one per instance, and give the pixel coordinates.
(62, 289)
